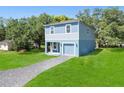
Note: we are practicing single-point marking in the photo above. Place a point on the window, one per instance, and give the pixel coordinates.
(88, 30)
(52, 30)
(68, 28)
(55, 45)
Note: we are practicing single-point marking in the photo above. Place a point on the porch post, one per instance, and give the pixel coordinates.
(51, 47)
(45, 47)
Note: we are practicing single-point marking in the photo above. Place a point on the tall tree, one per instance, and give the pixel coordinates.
(37, 27)
(85, 16)
(19, 32)
(2, 29)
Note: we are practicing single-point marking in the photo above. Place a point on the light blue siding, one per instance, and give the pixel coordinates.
(61, 28)
(86, 39)
(86, 46)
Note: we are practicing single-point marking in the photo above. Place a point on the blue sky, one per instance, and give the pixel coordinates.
(27, 11)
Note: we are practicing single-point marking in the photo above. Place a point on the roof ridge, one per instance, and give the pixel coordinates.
(62, 22)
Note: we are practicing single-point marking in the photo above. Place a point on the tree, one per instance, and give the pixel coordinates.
(19, 32)
(113, 14)
(121, 33)
(60, 18)
(37, 27)
(84, 17)
(2, 29)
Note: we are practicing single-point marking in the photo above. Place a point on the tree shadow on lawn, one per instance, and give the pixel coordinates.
(95, 52)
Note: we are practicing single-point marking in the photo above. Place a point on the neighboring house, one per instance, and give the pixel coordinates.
(5, 45)
(70, 38)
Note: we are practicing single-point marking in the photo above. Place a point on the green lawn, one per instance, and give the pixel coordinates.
(13, 59)
(104, 67)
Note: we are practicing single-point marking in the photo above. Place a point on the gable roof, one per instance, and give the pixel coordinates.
(63, 22)
(67, 22)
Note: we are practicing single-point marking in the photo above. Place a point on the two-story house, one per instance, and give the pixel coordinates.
(70, 38)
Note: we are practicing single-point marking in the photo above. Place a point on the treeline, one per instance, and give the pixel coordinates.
(108, 24)
(26, 33)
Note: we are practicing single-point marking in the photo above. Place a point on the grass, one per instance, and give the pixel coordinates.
(104, 67)
(12, 59)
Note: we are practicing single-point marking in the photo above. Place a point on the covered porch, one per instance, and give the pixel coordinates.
(52, 48)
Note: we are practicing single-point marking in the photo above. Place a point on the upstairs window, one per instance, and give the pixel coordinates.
(68, 28)
(52, 30)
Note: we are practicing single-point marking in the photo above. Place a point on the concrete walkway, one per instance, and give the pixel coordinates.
(20, 76)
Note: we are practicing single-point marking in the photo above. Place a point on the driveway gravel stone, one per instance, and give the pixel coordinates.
(20, 76)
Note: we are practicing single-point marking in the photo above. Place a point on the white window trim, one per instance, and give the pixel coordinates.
(53, 30)
(66, 28)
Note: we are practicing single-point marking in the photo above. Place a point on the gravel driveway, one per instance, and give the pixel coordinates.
(20, 76)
